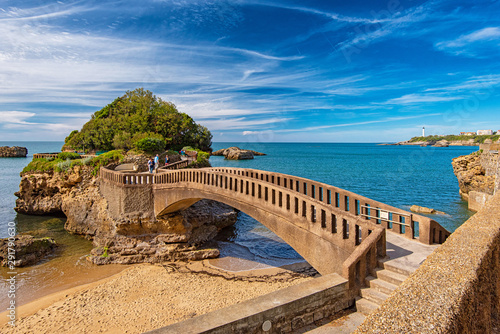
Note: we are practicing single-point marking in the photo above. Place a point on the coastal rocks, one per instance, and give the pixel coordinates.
(28, 250)
(423, 209)
(442, 143)
(131, 238)
(235, 153)
(41, 193)
(178, 236)
(472, 176)
(439, 143)
(13, 152)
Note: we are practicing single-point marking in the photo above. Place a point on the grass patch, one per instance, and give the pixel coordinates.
(64, 165)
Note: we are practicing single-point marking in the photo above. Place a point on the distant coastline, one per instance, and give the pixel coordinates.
(449, 140)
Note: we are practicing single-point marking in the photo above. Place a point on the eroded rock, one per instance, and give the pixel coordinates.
(28, 250)
(236, 153)
(472, 176)
(13, 152)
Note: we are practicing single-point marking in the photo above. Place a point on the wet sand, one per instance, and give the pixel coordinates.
(145, 297)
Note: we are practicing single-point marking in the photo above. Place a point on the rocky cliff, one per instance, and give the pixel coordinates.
(472, 176)
(13, 152)
(76, 193)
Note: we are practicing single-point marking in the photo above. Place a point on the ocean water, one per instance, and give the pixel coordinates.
(397, 175)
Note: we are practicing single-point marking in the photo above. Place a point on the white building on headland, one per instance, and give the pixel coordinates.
(484, 132)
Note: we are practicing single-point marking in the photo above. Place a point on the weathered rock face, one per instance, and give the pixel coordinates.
(236, 153)
(472, 176)
(28, 250)
(13, 152)
(127, 239)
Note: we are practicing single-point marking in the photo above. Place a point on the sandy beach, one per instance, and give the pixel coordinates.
(146, 297)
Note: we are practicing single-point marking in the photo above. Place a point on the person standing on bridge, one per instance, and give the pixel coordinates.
(150, 165)
(157, 163)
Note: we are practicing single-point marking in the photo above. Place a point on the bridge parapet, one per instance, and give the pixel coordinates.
(333, 229)
(412, 226)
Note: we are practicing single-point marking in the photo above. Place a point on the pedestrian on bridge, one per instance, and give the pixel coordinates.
(157, 163)
(150, 165)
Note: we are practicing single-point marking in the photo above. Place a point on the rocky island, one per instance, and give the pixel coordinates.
(13, 152)
(236, 153)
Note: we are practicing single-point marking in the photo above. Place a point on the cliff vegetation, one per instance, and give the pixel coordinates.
(65, 161)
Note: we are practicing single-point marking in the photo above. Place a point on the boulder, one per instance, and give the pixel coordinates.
(28, 250)
(423, 209)
(13, 152)
(236, 153)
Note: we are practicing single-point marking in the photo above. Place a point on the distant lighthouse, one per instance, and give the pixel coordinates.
(423, 131)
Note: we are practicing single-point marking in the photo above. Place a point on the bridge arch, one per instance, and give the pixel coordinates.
(333, 229)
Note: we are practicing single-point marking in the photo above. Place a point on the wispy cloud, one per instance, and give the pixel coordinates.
(15, 117)
(478, 43)
(422, 98)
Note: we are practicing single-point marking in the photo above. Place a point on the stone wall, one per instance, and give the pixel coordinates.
(13, 152)
(489, 161)
(281, 311)
(456, 290)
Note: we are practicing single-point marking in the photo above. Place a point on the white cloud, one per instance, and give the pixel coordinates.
(15, 117)
(479, 43)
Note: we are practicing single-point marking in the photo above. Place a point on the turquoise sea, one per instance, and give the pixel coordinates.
(396, 175)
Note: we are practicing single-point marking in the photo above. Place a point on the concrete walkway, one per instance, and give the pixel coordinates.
(403, 256)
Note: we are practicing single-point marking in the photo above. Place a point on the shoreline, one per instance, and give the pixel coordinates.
(147, 296)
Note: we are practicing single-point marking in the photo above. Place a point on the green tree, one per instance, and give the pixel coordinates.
(137, 115)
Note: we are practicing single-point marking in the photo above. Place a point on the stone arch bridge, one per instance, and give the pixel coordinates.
(335, 230)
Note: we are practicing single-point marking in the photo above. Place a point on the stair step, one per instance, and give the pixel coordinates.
(381, 285)
(373, 295)
(365, 306)
(393, 266)
(390, 276)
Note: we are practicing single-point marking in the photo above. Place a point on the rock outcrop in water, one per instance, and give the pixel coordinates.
(236, 153)
(76, 193)
(28, 250)
(13, 152)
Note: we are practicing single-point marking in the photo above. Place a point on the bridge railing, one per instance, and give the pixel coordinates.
(412, 226)
(176, 165)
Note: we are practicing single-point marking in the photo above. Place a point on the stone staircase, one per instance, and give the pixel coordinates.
(386, 279)
(403, 258)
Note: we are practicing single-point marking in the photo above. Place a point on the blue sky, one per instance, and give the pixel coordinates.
(255, 70)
